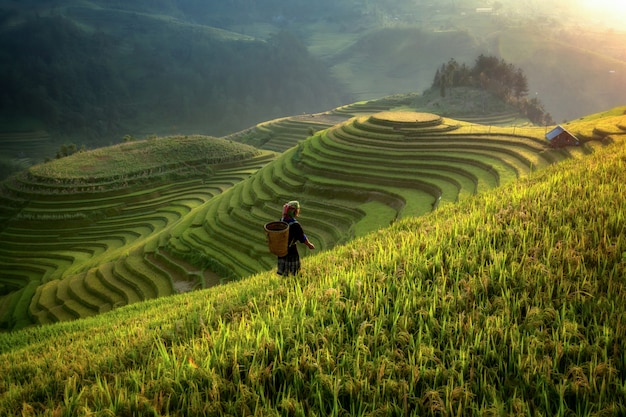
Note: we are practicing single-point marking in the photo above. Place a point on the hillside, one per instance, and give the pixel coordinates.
(90, 74)
(79, 219)
(81, 231)
(510, 302)
(101, 229)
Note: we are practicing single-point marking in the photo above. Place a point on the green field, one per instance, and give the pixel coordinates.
(338, 173)
(84, 234)
(510, 301)
(101, 229)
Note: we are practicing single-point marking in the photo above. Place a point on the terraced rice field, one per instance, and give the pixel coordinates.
(394, 164)
(73, 249)
(22, 149)
(282, 134)
(78, 247)
(278, 135)
(23, 144)
(505, 118)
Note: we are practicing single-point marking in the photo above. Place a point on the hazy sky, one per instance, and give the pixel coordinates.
(611, 12)
(601, 14)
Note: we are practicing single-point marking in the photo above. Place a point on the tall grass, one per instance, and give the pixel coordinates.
(511, 302)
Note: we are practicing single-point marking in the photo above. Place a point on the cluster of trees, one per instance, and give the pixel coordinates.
(498, 77)
(152, 75)
(69, 149)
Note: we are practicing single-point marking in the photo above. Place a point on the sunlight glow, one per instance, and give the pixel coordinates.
(610, 7)
(611, 12)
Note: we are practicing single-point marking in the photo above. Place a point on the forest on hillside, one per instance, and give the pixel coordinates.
(496, 76)
(99, 84)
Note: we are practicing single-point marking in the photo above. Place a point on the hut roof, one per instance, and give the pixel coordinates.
(557, 131)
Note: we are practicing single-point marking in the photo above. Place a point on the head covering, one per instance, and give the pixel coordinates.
(290, 208)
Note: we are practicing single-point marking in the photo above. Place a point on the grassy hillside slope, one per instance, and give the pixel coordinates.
(511, 302)
(80, 235)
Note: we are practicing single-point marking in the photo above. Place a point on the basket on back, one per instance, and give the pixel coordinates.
(277, 237)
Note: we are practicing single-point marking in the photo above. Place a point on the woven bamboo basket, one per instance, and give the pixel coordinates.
(277, 237)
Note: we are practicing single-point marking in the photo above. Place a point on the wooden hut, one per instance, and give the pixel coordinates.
(559, 137)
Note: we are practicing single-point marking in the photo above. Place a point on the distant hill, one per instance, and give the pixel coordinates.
(553, 66)
(93, 74)
(101, 69)
(399, 60)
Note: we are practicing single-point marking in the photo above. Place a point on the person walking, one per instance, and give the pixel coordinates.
(290, 263)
